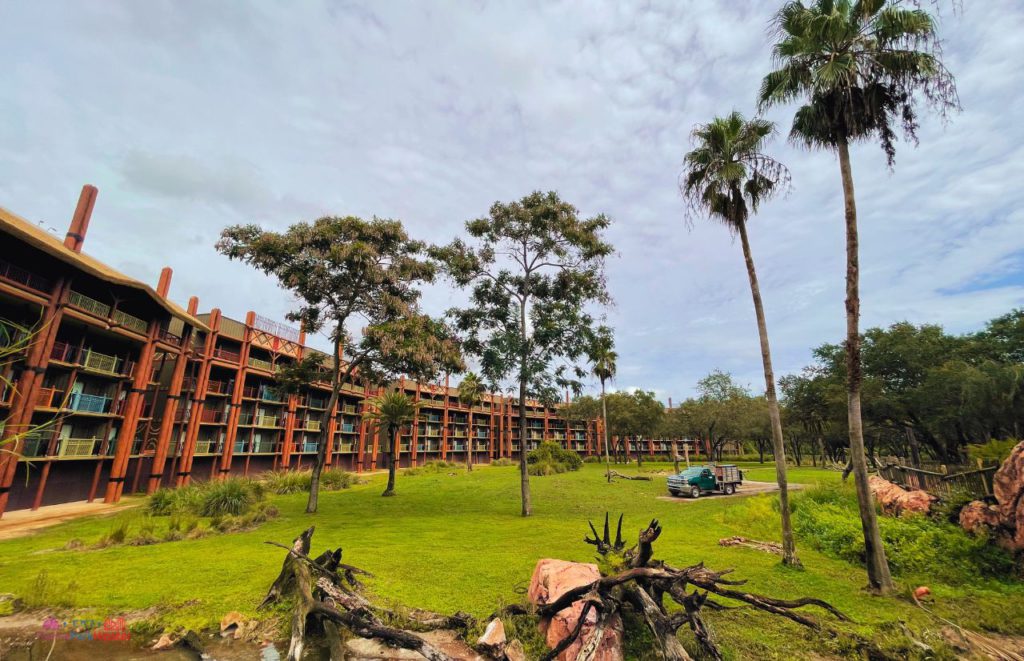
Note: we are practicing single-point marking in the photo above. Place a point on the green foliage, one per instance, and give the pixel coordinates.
(290, 481)
(635, 413)
(503, 461)
(232, 496)
(993, 452)
(827, 518)
(432, 466)
(550, 458)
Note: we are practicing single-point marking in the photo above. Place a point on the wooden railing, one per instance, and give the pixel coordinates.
(226, 354)
(91, 305)
(22, 276)
(261, 364)
(77, 447)
(977, 482)
(266, 421)
(130, 321)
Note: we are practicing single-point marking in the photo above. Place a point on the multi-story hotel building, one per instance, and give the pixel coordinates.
(107, 387)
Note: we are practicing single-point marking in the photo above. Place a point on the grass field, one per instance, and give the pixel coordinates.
(454, 541)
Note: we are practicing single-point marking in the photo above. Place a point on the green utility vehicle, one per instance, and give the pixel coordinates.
(723, 478)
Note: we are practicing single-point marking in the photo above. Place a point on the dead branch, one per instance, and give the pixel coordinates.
(614, 474)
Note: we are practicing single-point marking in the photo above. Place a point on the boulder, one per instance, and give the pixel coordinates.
(896, 500)
(553, 578)
(514, 651)
(1008, 487)
(165, 642)
(494, 635)
(366, 649)
(231, 624)
(977, 517)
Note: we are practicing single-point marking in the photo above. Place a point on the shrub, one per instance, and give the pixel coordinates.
(232, 496)
(433, 466)
(551, 458)
(592, 459)
(826, 516)
(993, 452)
(503, 461)
(285, 481)
(336, 479)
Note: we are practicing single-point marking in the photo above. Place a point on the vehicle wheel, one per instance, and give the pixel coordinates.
(730, 489)
(695, 492)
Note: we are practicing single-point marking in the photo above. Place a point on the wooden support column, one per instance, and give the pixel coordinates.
(415, 427)
(444, 422)
(188, 449)
(235, 405)
(362, 433)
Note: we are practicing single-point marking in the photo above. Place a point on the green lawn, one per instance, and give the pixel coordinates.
(455, 541)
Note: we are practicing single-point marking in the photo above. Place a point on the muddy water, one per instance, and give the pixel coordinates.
(93, 650)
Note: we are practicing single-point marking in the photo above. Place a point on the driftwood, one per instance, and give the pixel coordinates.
(325, 592)
(614, 474)
(641, 583)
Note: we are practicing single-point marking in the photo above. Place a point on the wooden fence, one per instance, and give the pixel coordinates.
(977, 482)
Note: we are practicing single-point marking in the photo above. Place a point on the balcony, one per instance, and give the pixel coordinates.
(214, 417)
(91, 305)
(89, 403)
(49, 398)
(130, 322)
(63, 352)
(188, 384)
(226, 354)
(239, 447)
(170, 338)
(268, 395)
(101, 362)
(78, 447)
(34, 444)
(263, 447)
(316, 403)
(207, 447)
(310, 446)
(346, 447)
(20, 276)
(251, 392)
(219, 387)
(312, 425)
(261, 364)
(266, 421)
(350, 409)
(349, 428)
(245, 419)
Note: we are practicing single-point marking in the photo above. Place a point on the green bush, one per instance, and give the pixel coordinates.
(433, 466)
(233, 496)
(551, 458)
(592, 459)
(503, 461)
(286, 481)
(336, 479)
(827, 517)
(993, 452)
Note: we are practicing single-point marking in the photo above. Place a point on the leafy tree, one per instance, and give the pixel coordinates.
(860, 67)
(390, 412)
(727, 175)
(535, 270)
(346, 268)
(634, 415)
(603, 365)
(471, 393)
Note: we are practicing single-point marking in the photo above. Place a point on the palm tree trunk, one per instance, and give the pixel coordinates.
(392, 465)
(604, 418)
(778, 443)
(524, 474)
(879, 578)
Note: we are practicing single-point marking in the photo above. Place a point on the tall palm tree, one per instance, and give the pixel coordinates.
(471, 393)
(602, 359)
(860, 68)
(727, 175)
(389, 412)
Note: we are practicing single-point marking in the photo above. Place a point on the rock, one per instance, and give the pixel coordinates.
(896, 500)
(922, 592)
(165, 642)
(514, 651)
(1008, 487)
(494, 635)
(10, 604)
(553, 578)
(450, 643)
(366, 649)
(231, 625)
(977, 517)
(191, 640)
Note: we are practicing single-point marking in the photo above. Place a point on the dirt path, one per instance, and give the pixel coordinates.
(748, 488)
(25, 522)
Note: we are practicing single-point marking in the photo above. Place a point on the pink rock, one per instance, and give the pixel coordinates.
(515, 651)
(895, 500)
(165, 642)
(494, 634)
(553, 578)
(977, 517)
(1008, 483)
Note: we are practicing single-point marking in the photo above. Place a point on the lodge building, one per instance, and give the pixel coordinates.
(107, 387)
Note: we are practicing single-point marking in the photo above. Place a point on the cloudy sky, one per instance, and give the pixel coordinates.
(192, 115)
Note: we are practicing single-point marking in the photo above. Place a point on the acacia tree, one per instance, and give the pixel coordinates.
(390, 412)
(346, 268)
(602, 360)
(535, 270)
(860, 69)
(471, 393)
(726, 177)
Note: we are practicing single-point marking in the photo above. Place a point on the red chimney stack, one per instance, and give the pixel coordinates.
(80, 221)
(164, 285)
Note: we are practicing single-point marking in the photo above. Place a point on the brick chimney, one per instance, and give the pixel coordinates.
(80, 221)
(193, 305)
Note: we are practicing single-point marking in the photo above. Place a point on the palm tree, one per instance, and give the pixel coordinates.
(860, 69)
(389, 412)
(471, 393)
(726, 176)
(603, 358)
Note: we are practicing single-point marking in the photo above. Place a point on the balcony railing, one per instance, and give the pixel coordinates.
(268, 395)
(263, 447)
(49, 398)
(130, 321)
(239, 446)
(349, 428)
(316, 403)
(245, 418)
(310, 446)
(251, 392)
(83, 302)
(188, 384)
(89, 403)
(34, 444)
(261, 364)
(226, 354)
(64, 353)
(78, 447)
(216, 417)
(312, 425)
(346, 447)
(22, 276)
(207, 447)
(219, 387)
(169, 337)
(349, 409)
(266, 421)
(102, 362)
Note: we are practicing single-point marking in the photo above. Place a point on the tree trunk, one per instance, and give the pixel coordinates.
(604, 417)
(879, 578)
(639, 451)
(778, 443)
(325, 419)
(524, 473)
(393, 464)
